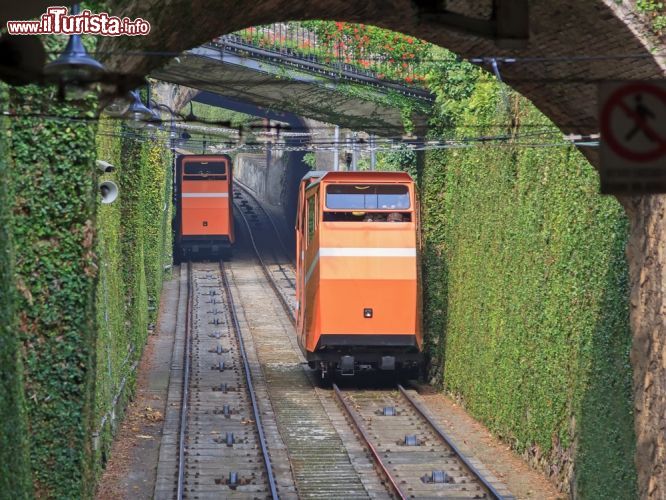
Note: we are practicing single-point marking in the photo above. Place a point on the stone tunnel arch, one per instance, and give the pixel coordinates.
(562, 85)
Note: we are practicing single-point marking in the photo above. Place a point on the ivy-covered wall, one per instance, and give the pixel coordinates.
(53, 188)
(113, 343)
(526, 290)
(79, 285)
(133, 247)
(14, 460)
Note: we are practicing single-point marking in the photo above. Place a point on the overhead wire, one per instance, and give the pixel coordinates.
(179, 121)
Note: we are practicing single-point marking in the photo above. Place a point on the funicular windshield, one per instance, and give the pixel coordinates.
(204, 170)
(367, 202)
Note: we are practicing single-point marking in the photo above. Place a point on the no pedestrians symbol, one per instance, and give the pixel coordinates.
(632, 118)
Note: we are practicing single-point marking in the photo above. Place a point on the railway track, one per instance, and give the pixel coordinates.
(220, 448)
(286, 438)
(411, 451)
(275, 260)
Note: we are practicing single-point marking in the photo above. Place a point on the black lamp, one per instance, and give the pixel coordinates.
(74, 67)
(119, 105)
(137, 114)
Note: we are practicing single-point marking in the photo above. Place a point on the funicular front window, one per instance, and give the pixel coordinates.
(204, 169)
(367, 197)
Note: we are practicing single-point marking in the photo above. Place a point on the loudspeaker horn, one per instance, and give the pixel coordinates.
(109, 191)
(104, 166)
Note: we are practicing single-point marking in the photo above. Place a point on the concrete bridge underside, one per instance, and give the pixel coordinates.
(274, 86)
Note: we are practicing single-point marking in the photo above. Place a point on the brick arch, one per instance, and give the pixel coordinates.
(564, 90)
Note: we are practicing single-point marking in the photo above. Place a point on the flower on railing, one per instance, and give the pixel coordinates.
(389, 55)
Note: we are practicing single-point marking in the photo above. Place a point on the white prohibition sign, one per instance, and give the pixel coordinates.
(633, 124)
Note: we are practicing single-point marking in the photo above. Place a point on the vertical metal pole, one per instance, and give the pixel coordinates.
(505, 96)
(336, 151)
(373, 156)
(269, 158)
(347, 148)
(353, 145)
(269, 152)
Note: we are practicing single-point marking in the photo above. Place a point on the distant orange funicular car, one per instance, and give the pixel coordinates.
(358, 283)
(203, 226)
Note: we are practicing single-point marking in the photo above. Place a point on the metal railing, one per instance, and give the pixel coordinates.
(292, 41)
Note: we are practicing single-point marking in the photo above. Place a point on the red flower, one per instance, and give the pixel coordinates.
(408, 79)
(340, 25)
(410, 40)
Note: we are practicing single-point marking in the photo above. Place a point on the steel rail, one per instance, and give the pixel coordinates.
(250, 386)
(421, 410)
(185, 394)
(247, 191)
(376, 455)
(264, 268)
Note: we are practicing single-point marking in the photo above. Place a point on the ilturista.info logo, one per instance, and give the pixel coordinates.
(58, 21)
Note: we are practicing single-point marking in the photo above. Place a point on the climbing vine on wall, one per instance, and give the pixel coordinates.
(133, 248)
(52, 179)
(15, 477)
(655, 11)
(526, 293)
(74, 298)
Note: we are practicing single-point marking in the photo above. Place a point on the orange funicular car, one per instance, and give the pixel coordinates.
(204, 220)
(358, 279)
